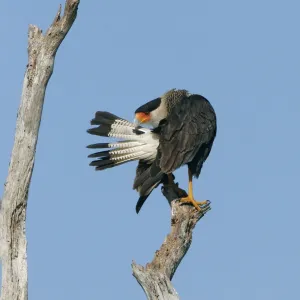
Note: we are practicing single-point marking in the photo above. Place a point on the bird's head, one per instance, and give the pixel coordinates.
(156, 110)
(150, 113)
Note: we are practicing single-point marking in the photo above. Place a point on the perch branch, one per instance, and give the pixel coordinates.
(155, 278)
(13, 244)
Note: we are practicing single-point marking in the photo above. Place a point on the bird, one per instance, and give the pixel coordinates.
(173, 130)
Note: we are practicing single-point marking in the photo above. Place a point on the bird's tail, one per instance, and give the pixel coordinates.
(148, 177)
(137, 142)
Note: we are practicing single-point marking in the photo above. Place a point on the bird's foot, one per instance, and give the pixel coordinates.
(199, 205)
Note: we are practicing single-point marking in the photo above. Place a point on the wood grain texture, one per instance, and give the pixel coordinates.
(155, 278)
(13, 246)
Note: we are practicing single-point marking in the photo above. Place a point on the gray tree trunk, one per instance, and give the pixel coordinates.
(13, 245)
(155, 278)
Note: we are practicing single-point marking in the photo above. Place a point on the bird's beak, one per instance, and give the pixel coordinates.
(141, 118)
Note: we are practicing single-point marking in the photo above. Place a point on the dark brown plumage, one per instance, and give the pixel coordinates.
(184, 129)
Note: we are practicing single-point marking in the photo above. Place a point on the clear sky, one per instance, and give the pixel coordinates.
(82, 228)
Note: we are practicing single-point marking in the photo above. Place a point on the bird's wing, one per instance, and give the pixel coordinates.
(190, 126)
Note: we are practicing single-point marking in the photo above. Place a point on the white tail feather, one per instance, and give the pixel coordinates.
(139, 146)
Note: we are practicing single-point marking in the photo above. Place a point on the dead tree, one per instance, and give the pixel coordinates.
(13, 246)
(155, 278)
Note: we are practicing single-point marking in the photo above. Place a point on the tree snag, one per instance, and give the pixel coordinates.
(155, 278)
(13, 245)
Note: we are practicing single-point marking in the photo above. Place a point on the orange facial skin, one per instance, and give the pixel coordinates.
(143, 117)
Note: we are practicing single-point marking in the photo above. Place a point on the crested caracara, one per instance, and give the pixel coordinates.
(183, 131)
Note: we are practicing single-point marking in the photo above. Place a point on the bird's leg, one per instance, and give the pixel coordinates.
(178, 190)
(190, 198)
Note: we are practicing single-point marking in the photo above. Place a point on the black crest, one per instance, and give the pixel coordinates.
(149, 106)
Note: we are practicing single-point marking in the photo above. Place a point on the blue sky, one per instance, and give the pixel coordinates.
(82, 228)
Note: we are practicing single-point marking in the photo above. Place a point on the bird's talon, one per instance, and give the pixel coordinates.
(203, 203)
(206, 204)
(200, 206)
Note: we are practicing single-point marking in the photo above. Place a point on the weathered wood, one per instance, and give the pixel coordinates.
(13, 245)
(155, 278)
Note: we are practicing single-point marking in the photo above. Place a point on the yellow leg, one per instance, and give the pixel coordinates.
(190, 198)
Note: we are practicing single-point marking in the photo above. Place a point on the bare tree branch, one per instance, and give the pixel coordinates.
(155, 278)
(41, 54)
